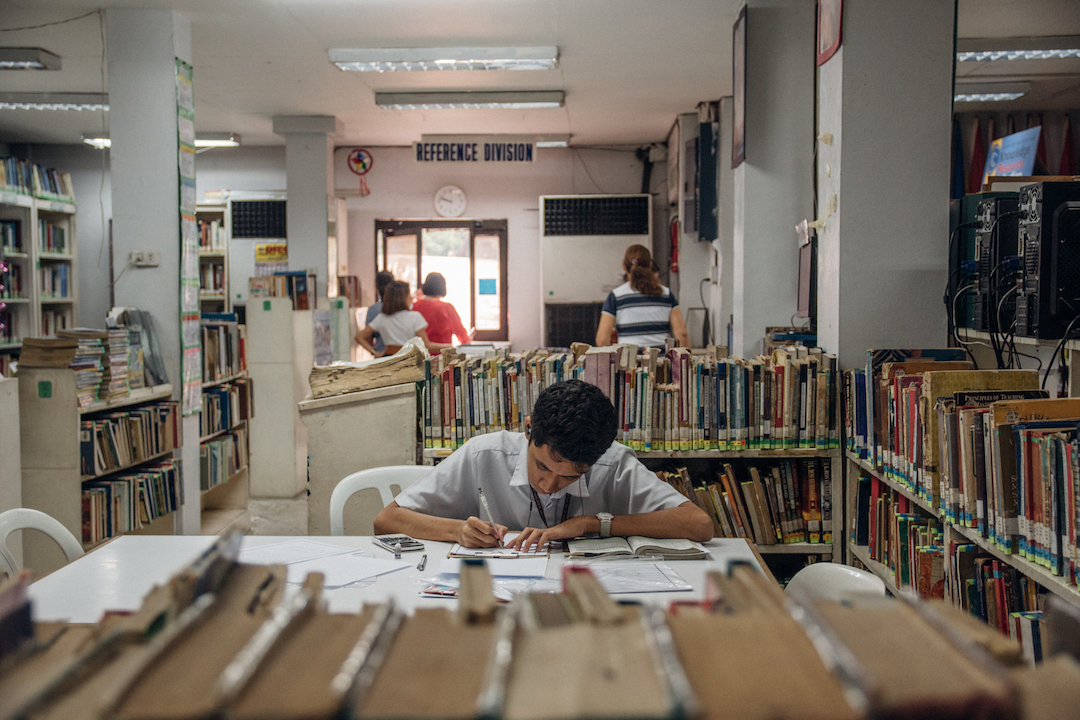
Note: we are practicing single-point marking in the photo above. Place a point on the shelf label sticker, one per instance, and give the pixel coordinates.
(44, 389)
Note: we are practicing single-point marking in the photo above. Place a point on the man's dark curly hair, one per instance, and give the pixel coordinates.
(575, 421)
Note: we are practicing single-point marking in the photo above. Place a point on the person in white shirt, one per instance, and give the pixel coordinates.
(397, 324)
(562, 478)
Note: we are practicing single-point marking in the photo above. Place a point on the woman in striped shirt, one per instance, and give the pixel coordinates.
(642, 311)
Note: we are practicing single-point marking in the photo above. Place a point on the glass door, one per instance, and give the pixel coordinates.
(470, 254)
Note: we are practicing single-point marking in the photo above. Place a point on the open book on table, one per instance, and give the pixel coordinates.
(667, 548)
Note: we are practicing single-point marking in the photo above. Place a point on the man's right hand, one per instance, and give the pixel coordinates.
(477, 533)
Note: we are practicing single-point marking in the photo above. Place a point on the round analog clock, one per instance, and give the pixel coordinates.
(450, 201)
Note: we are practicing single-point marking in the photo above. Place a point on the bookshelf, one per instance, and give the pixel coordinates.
(50, 422)
(38, 244)
(213, 223)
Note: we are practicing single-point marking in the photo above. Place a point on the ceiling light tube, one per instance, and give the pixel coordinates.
(507, 100)
(206, 140)
(987, 97)
(54, 101)
(1018, 48)
(21, 58)
(460, 58)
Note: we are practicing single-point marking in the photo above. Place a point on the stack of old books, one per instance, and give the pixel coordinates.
(114, 381)
(88, 363)
(47, 352)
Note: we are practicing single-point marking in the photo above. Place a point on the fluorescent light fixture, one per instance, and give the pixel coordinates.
(209, 140)
(509, 100)
(54, 101)
(1050, 47)
(459, 58)
(28, 59)
(987, 97)
(205, 140)
(556, 140)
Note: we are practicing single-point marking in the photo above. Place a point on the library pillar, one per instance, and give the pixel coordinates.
(883, 178)
(309, 183)
(773, 186)
(143, 49)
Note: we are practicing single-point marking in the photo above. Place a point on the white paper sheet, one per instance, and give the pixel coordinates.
(502, 567)
(637, 577)
(344, 569)
(290, 551)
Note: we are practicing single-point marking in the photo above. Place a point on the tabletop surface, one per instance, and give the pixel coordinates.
(117, 575)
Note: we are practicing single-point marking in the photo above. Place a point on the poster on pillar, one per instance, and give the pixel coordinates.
(191, 367)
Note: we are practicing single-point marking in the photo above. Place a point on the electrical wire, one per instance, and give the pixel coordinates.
(49, 24)
(705, 306)
(1061, 344)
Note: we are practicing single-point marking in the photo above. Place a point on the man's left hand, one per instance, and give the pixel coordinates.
(539, 538)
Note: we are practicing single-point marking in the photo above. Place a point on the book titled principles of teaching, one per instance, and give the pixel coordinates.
(667, 548)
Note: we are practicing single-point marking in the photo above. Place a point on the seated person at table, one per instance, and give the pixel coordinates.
(559, 479)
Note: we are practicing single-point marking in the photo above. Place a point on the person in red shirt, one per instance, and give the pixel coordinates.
(443, 319)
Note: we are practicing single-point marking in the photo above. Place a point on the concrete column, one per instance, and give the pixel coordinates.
(883, 182)
(142, 49)
(309, 180)
(773, 187)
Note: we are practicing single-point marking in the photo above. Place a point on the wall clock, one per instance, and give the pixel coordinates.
(450, 201)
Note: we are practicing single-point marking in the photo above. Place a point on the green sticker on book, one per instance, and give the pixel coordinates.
(44, 389)
(266, 305)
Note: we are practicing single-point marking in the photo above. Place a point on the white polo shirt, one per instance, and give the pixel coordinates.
(617, 483)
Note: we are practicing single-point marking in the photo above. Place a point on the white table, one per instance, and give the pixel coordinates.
(118, 574)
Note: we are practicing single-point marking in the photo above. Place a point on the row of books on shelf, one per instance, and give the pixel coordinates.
(773, 504)
(223, 344)
(212, 278)
(130, 500)
(53, 280)
(225, 406)
(22, 176)
(120, 439)
(913, 548)
(221, 458)
(296, 284)
(11, 281)
(678, 401)
(11, 236)
(211, 235)
(53, 321)
(985, 449)
(9, 333)
(52, 238)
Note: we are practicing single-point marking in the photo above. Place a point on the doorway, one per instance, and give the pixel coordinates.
(470, 254)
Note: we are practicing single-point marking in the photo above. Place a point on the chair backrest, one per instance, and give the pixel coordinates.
(24, 518)
(380, 478)
(833, 581)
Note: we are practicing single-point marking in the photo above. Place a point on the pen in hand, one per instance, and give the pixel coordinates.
(487, 511)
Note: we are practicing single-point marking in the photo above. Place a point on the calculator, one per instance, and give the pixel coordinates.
(407, 543)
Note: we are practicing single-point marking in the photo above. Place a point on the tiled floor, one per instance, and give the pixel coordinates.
(275, 516)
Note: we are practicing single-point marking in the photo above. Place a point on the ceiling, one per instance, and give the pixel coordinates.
(628, 67)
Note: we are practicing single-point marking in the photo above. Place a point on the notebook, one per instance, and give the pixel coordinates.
(667, 548)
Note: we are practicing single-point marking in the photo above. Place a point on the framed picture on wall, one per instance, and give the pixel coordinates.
(738, 85)
(828, 29)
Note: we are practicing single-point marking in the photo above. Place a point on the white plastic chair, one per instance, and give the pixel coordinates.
(380, 478)
(833, 581)
(25, 518)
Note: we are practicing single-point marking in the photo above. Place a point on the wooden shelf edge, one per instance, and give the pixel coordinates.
(224, 380)
(239, 473)
(102, 476)
(880, 475)
(224, 431)
(154, 527)
(1054, 583)
(137, 396)
(862, 553)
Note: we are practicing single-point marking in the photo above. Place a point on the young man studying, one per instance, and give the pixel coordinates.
(565, 476)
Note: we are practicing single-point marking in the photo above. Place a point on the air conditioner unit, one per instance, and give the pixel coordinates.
(582, 242)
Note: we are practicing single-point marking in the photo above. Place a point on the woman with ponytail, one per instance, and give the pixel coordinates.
(642, 311)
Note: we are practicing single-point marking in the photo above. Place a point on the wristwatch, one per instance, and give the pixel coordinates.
(605, 523)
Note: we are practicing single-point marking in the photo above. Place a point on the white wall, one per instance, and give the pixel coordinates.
(401, 188)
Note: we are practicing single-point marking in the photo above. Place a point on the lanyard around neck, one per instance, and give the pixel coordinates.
(540, 508)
